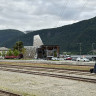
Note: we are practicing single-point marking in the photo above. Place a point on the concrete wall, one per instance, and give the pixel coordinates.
(30, 52)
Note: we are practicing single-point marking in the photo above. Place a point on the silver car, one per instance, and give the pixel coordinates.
(82, 59)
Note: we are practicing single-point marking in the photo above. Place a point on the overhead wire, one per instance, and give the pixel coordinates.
(64, 9)
(82, 9)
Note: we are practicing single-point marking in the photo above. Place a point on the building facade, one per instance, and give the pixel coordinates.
(47, 51)
(30, 51)
(41, 51)
(3, 51)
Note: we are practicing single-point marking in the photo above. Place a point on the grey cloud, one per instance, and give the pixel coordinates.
(38, 14)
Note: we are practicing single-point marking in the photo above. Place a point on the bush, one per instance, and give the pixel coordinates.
(3, 53)
(16, 52)
(9, 53)
(0, 54)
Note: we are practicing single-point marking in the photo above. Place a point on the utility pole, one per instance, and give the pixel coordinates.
(93, 48)
(80, 48)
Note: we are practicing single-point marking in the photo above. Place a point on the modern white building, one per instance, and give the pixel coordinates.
(41, 51)
(31, 50)
(3, 50)
(37, 42)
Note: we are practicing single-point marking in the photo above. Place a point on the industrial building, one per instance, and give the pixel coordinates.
(48, 51)
(41, 51)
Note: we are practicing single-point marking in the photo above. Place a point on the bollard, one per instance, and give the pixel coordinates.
(94, 70)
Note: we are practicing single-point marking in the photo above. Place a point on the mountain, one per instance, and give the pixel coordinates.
(67, 37)
(8, 34)
(28, 31)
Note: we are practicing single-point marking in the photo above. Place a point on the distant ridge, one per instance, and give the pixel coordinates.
(68, 37)
(7, 34)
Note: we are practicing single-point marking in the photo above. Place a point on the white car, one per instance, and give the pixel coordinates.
(55, 58)
(1, 57)
(82, 59)
(61, 59)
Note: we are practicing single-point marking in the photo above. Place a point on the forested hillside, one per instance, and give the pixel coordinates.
(8, 34)
(68, 37)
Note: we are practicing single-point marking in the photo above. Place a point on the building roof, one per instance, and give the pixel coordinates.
(3, 49)
(29, 47)
(49, 46)
(37, 41)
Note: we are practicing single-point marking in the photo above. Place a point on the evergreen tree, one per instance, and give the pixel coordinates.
(18, 46)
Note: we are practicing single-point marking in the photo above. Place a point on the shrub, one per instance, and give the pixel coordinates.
(16, 52)
(9, 53)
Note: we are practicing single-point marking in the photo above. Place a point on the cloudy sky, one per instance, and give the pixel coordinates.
(40, 14)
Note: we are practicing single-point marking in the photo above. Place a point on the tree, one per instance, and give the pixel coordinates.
(3, 53)
(23, 50)
(0, 54)
(16, 52)
(18, 46)
(10, 53)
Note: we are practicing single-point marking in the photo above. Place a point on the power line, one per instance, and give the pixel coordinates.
(62, 11)
(68, 2)
(82, 8)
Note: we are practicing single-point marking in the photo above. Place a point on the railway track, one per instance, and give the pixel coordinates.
(53, 75)
(22, 66)
(47, 69)
(5, 93)
(46, 72)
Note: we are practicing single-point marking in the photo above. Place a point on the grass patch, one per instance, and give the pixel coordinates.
(86, 68)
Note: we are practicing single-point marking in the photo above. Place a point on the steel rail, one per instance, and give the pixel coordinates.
(4, 65)
(6, 93)
(53, 75)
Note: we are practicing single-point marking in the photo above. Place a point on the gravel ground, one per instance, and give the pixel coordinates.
(34, 85)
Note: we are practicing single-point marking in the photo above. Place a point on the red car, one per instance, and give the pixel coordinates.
(14, 57)
(68, 58)
(11, 57)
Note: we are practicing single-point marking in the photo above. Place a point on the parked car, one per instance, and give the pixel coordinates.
(11, 57)
(1, 57)
(74, 59)
(54, 58)
(61, 59)
(82, 59)
(68, 58)
(14, 57)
